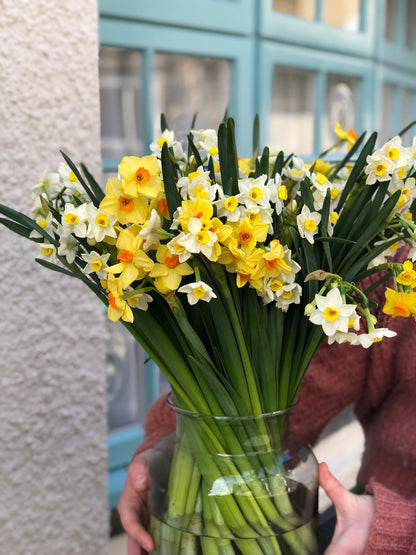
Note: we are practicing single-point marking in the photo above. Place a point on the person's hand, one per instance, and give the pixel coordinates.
(354, 516)
(133, 506)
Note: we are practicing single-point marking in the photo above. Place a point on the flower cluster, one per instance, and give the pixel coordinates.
(145, 237)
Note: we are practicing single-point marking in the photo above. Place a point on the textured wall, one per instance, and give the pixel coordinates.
(52, 350)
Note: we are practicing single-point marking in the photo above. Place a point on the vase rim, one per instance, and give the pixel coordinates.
(186, 412)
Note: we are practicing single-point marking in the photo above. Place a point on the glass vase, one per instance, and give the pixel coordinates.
(233, 485)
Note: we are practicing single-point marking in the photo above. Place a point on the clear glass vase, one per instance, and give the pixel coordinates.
(233, 485)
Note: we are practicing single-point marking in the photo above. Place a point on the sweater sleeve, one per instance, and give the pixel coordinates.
(160, 421)
(393, 529)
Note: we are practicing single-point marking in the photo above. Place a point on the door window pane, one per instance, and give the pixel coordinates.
(305, 9)
(390, 28)
(341, 106)
(407, 116)
(344, 15)
(292, 110)
(410, 24)
(386, 124)
(120, 97)
(188, 85)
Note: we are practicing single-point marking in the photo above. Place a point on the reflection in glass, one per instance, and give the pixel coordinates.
(341, 106)
(305, 9)
(120, 98)
(292, 110)
(411, 24)
(407, 105)
(188, 85)
(344, 15)
(390, 28)
(387, 108)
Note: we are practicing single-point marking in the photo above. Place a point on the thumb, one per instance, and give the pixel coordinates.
(333, 488)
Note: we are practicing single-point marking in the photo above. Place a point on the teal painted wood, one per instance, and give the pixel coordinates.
(115, 485)
(235, 16)
(122, 444)
(149, 38)
(316, 34)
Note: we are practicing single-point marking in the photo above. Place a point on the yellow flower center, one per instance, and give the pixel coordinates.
(71, 219)
(162, 141)
(331, 313)
(334, 217)
(199, 292)
(393, 153)
(42, 223)
(334, 193)
(405, 191)
(294, 172)
(202, 237)
(401, 201)
(409, 216)
(321, 178)
(400, 173)
(380, 169)
(231, 204)
(193, 175)
(287, 294)
(256, 193)
(101, 220)
(254, 217)
(276, 285)
(47, 251)
(96, 265)
(394, 246)
(282, 192)
(213, 150)
(72, 177)
(178, 248)
(310, 225)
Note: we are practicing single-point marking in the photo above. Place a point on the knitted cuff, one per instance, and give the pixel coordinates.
(394, 524)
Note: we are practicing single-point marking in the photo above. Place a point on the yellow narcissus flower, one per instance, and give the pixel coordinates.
(408, 276)
(198, 208)
(400, 304)
(248, 233)
(141, 176)
(272, 262)
(134, 263)
(117, 307)
(348, 136)
(168, 272)
(321, 166)
(126, 208)
(247, 165)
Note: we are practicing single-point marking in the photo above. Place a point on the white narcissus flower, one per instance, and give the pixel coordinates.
(198, 240)
(140, 301)
(198, 291)
(379, 168)
(47, 251)
(96, 262)
(308, 223)
(367, 339)
(176, 248)
(254, 193)
(100, 224)
(68, 247)
(48, 183)
(151, 238)
(331, 313)
(74, 220)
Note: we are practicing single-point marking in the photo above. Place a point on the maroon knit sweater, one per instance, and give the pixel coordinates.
(381, 382)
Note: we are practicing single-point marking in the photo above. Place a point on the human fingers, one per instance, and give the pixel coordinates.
(132, 510)
(339, 496)
(138, 472)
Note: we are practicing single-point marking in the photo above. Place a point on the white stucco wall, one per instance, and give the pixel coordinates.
(52, 345)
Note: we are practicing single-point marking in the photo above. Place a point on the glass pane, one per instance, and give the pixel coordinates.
(407, 116)
(410, 24)
(305, 9)
(344, 15)
(341, 106)
(391, 11)
(292, 110)
(188, 85)
(120, 96)
(386, 131)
